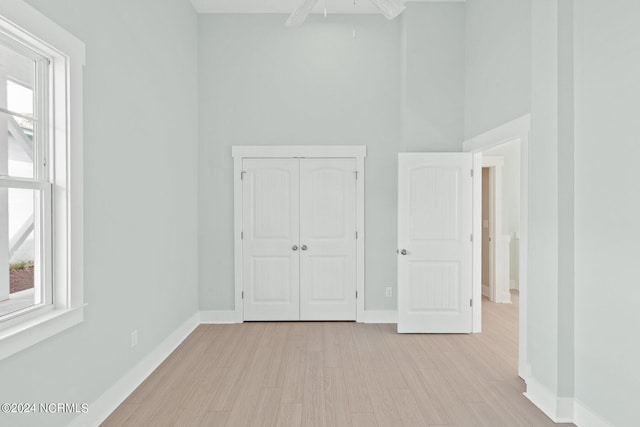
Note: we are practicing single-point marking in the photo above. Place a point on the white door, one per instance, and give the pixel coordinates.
(434, 242)
(270, 253)
(327, 239)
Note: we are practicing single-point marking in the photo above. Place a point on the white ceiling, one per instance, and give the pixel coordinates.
(287, 6)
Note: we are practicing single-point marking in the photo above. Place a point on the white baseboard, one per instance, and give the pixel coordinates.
(100, 409)
(504, 297)
(222, 316)
(585, 417)
(562, 409)
(380, 316)
(559, 409)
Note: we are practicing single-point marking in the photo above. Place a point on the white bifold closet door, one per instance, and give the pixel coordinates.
(328, 239)
(270, 253)
(299, 239)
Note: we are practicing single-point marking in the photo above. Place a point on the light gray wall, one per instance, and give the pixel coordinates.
(607, 209)
(433, 76)
(542, 325)
(551, 257)
(264, 84)
(566, 213)
(498, 63)
(140, 152)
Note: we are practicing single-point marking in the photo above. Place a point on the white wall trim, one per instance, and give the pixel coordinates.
(283, 7)
(222, 316)
(476, 280)
(562, 409)
(585, 417)
(380, 316)
(102, 407)
(559, 409)
(237, 232)
(265, 151)
(507, 132)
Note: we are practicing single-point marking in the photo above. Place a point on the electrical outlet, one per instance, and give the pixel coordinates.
(389, 292)
(134, 338)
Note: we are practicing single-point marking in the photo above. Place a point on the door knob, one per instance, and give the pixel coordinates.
(304, 247)
(294, 247)
(403, 252)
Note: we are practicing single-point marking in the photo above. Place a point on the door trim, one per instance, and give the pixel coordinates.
(239, 152)
(499, 257)
(514, 130)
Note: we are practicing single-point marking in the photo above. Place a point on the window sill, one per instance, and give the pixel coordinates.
(31, 332)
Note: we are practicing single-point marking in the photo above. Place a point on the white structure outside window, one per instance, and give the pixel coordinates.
(41, 289)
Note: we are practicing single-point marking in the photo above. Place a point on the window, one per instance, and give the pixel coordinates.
(25, 181)
(40, 178)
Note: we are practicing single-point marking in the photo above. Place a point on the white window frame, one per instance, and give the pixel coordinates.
(23, 23)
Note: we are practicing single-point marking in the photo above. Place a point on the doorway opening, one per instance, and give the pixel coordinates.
(503, 151)
(501, 221)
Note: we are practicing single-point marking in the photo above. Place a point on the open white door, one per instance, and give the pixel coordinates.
(435, 261)
(270, 253)
(327, 239)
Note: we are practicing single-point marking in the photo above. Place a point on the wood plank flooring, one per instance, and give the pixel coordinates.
(337, 374)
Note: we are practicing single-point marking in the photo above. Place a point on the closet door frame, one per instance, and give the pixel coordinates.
(240, 152)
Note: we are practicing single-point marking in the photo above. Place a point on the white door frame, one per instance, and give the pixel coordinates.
(239, 152)
(498, 258)
(514, 130)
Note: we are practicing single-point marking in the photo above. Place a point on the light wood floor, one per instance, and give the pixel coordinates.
(337, 374)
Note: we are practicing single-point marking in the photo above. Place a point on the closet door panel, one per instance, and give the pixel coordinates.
(270, 254)
(327, 239)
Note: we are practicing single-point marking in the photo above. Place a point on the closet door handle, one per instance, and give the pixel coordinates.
(294, 247)
(304, 247)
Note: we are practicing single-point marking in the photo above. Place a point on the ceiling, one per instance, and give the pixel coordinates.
(287, 6)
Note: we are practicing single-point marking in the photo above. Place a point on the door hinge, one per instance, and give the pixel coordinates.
(356, 173)
(356, 294)
(242, 175)
(471, 237)
(242, 235)
(472, 173)
(356, 235)
(242, 293)
(471, 303)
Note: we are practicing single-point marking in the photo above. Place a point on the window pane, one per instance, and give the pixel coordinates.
(16, 154)
(19, 99)
(20, 269)
(17, 78)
